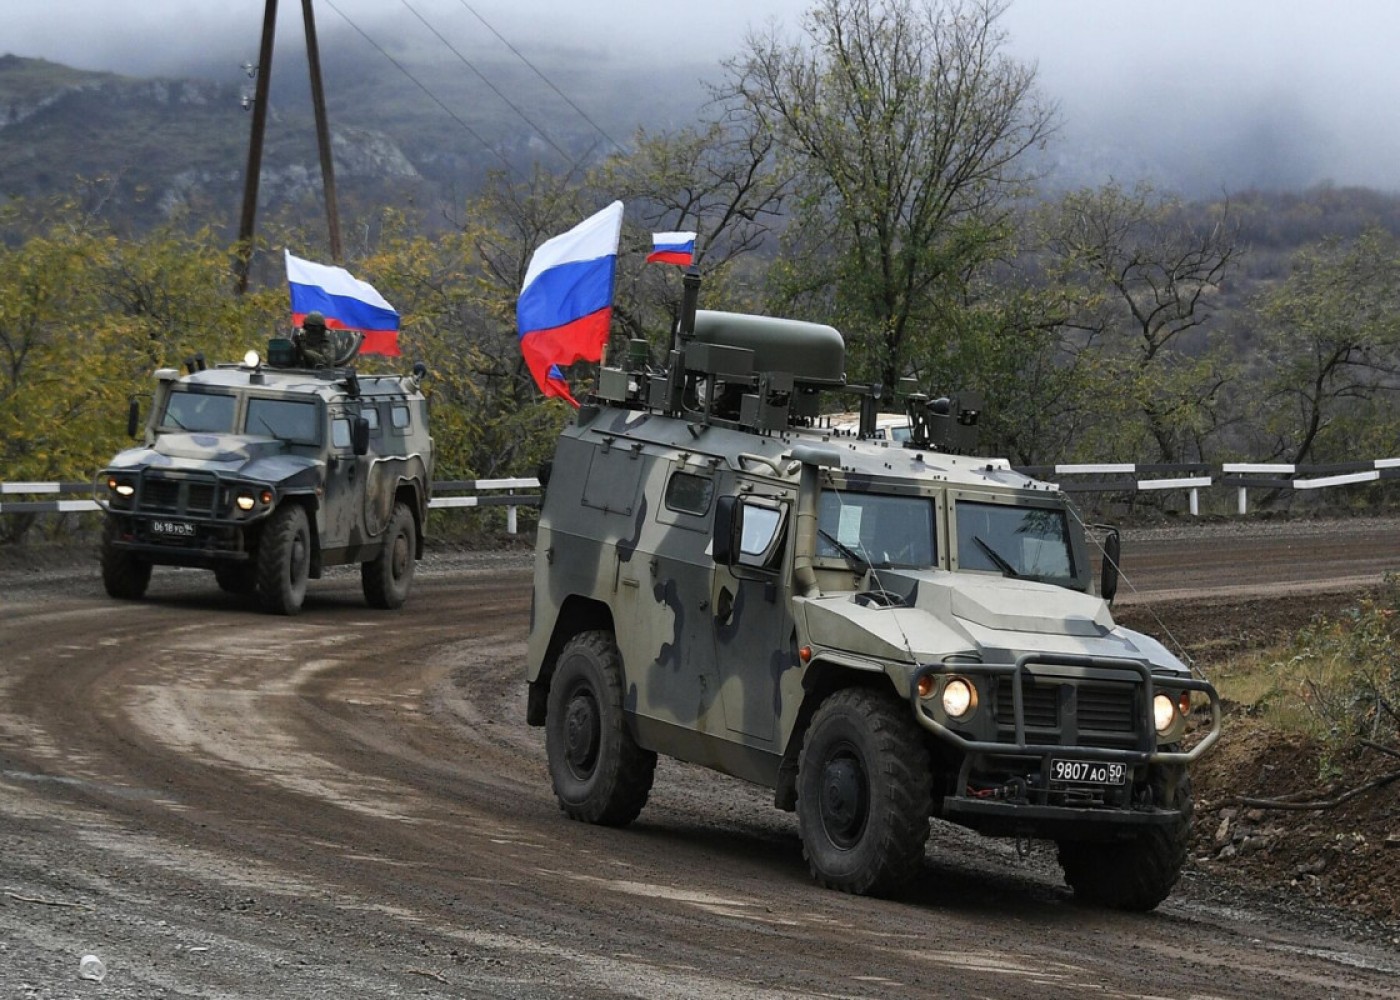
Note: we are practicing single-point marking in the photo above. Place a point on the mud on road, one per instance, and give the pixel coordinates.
(221, 803)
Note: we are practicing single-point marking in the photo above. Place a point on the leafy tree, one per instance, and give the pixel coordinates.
(1331, 352)
(487, 419)
(903, 125)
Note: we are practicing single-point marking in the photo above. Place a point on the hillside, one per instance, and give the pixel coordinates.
(153, 149)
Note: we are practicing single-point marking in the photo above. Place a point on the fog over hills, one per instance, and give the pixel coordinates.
(1204, 98)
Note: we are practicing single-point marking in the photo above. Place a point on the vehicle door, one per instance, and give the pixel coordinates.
(751, 620)
(343, 506)
(674, 567)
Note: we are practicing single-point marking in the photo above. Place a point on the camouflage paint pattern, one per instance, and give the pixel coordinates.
(710, 651)
(349, 498)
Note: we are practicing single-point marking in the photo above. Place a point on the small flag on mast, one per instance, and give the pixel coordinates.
(672, 248)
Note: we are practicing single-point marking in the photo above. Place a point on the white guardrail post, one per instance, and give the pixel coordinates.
(1255, 468)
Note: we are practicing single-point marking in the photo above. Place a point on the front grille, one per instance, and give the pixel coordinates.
(1106, 708)
(1069, 711)
(190, 496)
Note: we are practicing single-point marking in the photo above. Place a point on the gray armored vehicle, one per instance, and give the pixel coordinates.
(269, 473)
(880, 632)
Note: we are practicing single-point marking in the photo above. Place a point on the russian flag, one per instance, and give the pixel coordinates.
(672, 248)
(565, 305)
(345, 301)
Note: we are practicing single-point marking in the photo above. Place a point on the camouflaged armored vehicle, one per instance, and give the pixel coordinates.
(269, 473)
(881, 632)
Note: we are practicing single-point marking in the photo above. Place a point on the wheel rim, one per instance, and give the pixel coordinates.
(300, 558)
(582, 733)
(398, 562)
(845, 798)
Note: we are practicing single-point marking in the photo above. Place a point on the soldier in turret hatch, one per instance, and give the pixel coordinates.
(313, 341)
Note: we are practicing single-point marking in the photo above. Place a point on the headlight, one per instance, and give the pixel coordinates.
(1167, 716)
(251, 360)
(121, 487)
(959, 698)
(245, 501)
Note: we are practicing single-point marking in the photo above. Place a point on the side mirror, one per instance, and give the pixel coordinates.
(133, 418)
(1108, 580)
(729, 522)
(359, 436)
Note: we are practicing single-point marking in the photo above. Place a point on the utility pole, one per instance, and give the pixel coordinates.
(247, 223)
(323, 129)
(255, 144)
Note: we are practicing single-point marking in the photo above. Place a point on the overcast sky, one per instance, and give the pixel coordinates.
(1202, 94)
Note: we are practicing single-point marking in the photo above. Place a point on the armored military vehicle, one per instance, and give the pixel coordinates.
(880, 632)
(267, 473)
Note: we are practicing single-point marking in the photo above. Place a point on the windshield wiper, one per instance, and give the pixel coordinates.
(852, 556)
(1001, 561)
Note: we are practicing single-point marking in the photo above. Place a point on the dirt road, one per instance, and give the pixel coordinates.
(348, 804)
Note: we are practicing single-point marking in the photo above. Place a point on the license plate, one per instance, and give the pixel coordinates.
(172, 529)
(1088, 772)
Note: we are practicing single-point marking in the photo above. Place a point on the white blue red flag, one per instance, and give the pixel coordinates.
(672, 248)
(346, 302)
(565, 306)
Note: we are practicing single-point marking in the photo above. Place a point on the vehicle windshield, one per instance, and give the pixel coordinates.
(292, 420)
(1030, 543)
(200, 412)
(879, 529)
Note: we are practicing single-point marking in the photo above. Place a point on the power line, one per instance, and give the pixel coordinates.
(421, 86)
(482, 76)
(582, 114)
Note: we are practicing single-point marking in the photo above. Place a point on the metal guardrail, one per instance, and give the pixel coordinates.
(1131, 477)
(511, 500)
(1194, 477)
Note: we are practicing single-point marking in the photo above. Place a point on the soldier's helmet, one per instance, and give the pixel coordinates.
(313, 319)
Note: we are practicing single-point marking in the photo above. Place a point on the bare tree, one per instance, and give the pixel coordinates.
(1331, 338)
(1147, 275)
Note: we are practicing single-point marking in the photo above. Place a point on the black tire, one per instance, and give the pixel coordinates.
(864, 793)
(237, 578)
(386, 579)
(125, 575)
(284, 560)
(1134, 874)
(599, 773)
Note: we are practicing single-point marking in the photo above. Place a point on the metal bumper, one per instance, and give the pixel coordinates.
(1050, 822)
(1145, 752)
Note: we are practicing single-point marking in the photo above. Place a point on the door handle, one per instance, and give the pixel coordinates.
(724, 606)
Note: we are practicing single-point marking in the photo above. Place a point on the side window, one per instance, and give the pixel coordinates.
(762, 535)
(400, 418)
(340, 433)
(371, 415)
(689, 493)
